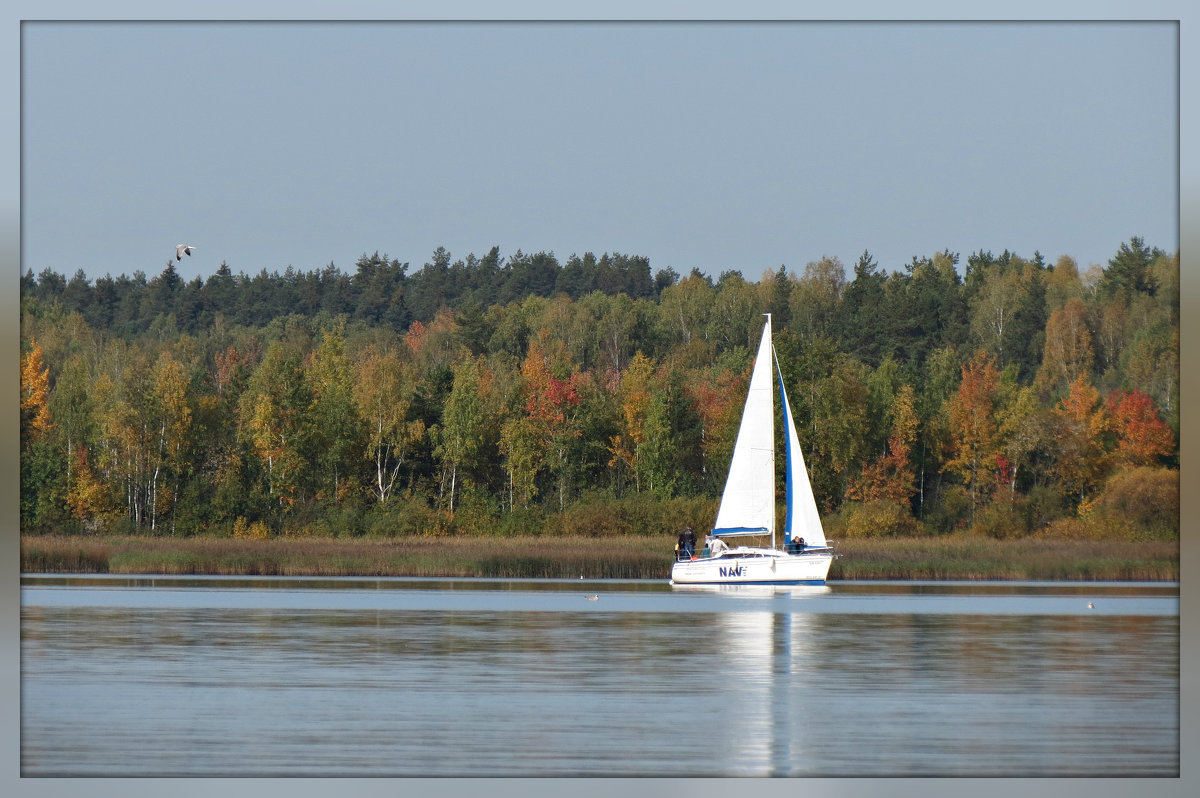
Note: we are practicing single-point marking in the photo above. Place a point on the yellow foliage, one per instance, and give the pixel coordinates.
(250, 530)
(35, 389)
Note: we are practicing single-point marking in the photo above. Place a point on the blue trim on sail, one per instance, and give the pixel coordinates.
(790, 456)
(734, 531)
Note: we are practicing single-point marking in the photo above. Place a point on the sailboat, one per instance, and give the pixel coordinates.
(748, 502)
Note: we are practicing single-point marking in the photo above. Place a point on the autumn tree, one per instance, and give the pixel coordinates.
(838, 430)
(1082, 460)
(337, 428)
(735, 318)
(816, 298)
(1151, 362)
(1143, 439)
(994, 309)
(229, 367)
(684, 308)
(718, 400)
(890, 477)
(384, 386)
(1022, 432)
(273, 418)
(173, 417)
(616, 324)
(72, 406)
(550, 403)
(973, 427)
(461, 434)
(635, 393)
(41, 465)
(87, 497)
(523, 455)
(35, 394)
(129, 432)
(1063, 283)
(1068, 350)
(671, 451)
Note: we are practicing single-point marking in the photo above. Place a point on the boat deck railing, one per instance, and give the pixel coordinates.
(705, 554)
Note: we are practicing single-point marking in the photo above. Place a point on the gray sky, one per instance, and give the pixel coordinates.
(710, 145)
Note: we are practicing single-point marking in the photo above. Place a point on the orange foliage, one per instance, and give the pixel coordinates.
(35, 390)
(890, 478)
(547, 396)
(228, 363)
(1082, 460)
(973, 425)
(1142, 437)
(414, 336)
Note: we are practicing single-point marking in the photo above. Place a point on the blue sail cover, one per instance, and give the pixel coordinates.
(791, 479)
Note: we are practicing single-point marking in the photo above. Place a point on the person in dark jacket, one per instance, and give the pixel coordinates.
(687, 543)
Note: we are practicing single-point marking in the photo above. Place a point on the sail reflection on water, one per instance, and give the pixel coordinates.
(798, 678)
(770, 665)
(747, 642)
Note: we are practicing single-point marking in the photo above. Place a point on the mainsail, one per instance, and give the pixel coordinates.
(748, 503)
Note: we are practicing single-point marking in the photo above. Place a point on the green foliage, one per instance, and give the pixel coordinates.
(880, 518)
(601, 516)
(950, 511)
(499, 396)
(1129, 270)
(477, 514)
(401, 518)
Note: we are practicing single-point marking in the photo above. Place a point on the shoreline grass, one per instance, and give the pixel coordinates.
(958, 557)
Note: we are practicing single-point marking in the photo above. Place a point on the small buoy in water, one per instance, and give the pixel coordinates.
(1091, 606)
(592, 598)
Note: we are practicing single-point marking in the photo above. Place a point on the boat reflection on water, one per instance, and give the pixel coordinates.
(755, 591)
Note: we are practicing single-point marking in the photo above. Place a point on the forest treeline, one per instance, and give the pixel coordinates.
(520, 395)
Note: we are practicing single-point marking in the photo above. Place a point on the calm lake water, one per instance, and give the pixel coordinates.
(173, 676)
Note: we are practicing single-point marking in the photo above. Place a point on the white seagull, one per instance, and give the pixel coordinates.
(183, 249)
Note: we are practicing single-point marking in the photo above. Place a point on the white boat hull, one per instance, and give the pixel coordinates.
(762, 567)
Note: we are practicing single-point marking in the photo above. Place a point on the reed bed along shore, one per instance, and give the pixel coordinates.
(626, 557)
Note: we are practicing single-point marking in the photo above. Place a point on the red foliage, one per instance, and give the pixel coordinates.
(228, 364)
(1143, 438)
(414, 336)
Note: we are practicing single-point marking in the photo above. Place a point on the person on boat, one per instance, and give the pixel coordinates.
(687, 543)
(715, 544)
(798, 546)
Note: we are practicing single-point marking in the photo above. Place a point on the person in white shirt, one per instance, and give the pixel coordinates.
(715, 545)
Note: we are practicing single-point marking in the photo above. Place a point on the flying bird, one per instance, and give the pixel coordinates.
(183, 249)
